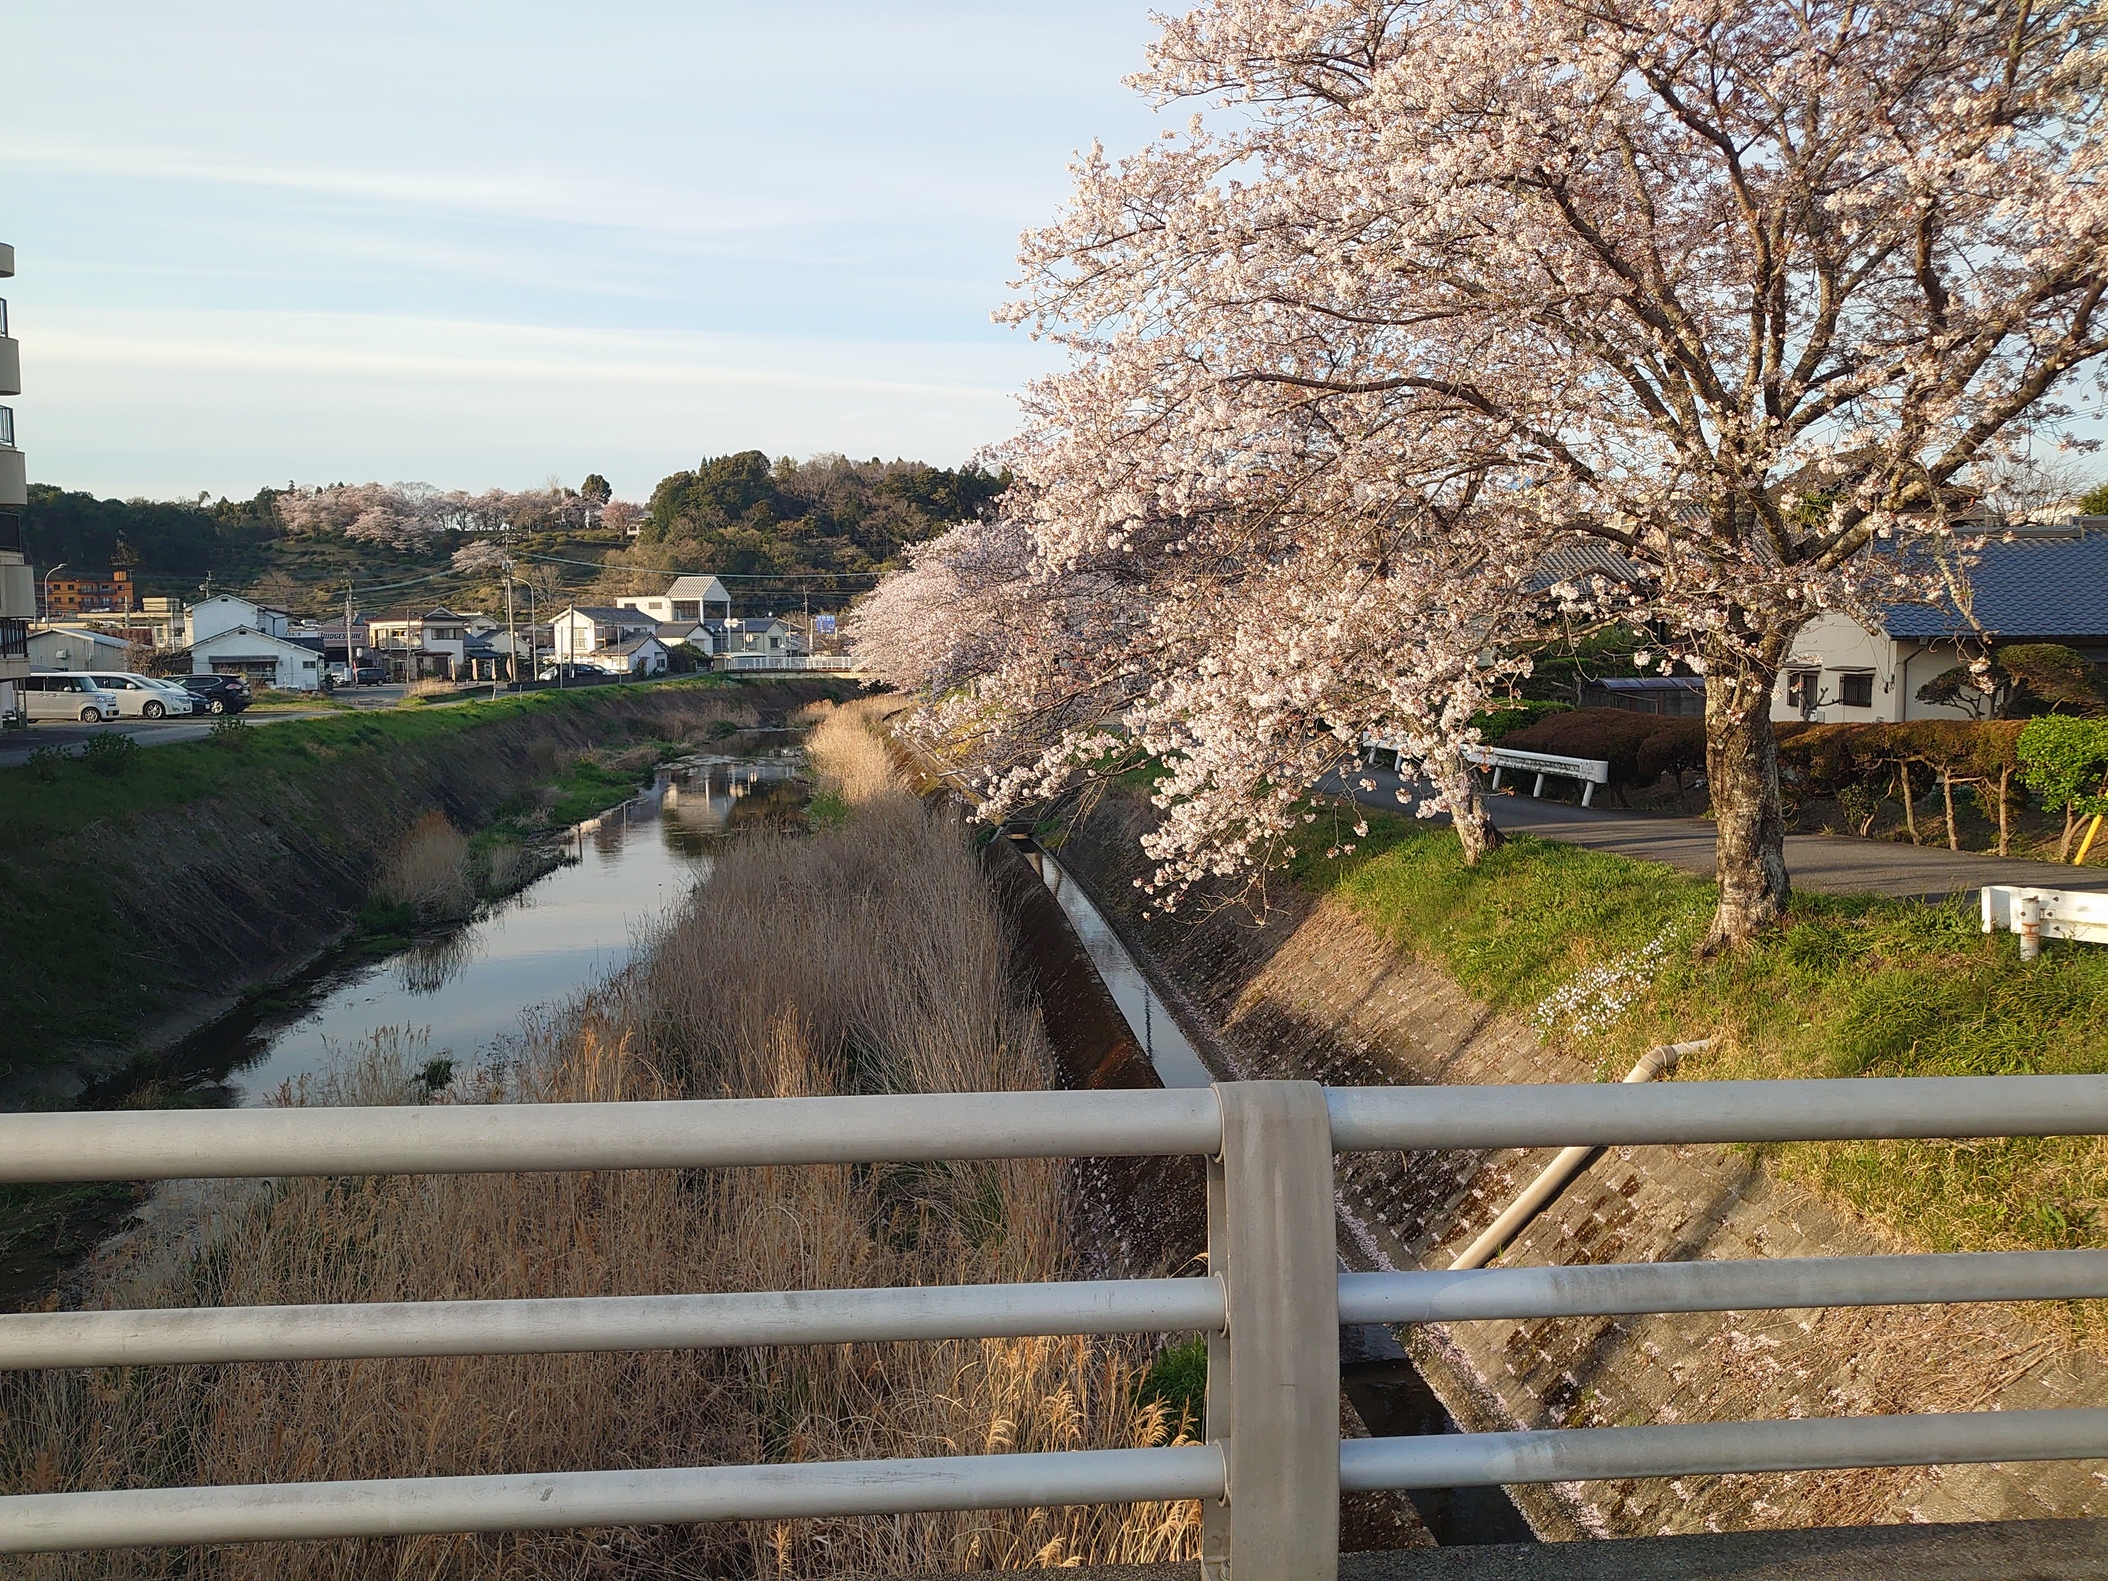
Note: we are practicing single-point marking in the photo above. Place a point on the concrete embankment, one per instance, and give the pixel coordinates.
(134, 927)
(1315, 993)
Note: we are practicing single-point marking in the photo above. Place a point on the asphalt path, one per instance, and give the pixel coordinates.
(1833, 864)
(71, 736)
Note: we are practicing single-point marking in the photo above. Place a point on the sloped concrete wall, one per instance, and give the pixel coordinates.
(1315, 993)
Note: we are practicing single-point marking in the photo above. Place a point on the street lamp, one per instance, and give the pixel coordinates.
(48, 575)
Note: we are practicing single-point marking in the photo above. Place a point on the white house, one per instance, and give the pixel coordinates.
(77, 648)
(2048, 584)
(636, 656)
(768, 635)
(585, 629)
(434, 643)
(690, 599)
(262, 658)
(229, 612)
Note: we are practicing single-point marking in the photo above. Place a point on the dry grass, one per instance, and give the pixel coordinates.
(430, 870)
(862, 958)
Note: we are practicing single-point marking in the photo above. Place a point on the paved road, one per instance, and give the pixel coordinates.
(16, 747)
(1837, 864)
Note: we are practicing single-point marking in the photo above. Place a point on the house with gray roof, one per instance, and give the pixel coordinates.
(2039, 584)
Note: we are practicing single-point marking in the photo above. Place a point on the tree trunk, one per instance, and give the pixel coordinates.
(2070, 822)
(1459, 784)
(1910, 803)
(1742, 768)
(1954, 839)
(2005, 776)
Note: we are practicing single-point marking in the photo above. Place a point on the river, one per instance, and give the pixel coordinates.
(466, 992)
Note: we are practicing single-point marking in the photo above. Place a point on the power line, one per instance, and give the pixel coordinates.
(722, 576)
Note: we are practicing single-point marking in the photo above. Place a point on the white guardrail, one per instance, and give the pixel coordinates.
(1591, 772)
(1273, 1466)
(2038, 914)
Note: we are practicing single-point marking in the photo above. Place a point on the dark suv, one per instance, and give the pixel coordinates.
(222, 694)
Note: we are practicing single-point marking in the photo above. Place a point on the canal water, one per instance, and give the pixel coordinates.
(1380, 1380)
(466, 992)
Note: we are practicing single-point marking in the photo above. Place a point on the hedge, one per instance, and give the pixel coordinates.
(1639, 748)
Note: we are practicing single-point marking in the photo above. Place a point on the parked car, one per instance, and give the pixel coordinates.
(370, 675)
(67, 697)
(221, 694)
(143, 697)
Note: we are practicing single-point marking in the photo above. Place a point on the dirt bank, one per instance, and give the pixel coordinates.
(1315, 993)
(134, 925)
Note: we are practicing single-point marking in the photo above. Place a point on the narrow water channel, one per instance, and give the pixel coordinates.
(1379, 1379)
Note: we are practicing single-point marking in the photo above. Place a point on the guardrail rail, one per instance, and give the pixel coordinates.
(1271, 1471)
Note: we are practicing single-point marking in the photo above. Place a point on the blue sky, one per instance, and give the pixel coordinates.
(480, 245)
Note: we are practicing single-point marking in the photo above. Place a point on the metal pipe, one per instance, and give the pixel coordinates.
(1461, 1460)
(465, 1138)
(1568, 1164)
(186, 1144)
(137, 1518)
(1136, 1306)
(1605, 1114)
(1765, 1284)
(509, 1328)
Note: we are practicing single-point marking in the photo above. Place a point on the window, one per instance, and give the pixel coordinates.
(1855, 689)
(687, 609)
(1801, 688)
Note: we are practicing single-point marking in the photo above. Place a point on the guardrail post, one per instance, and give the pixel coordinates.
(1273, 1375)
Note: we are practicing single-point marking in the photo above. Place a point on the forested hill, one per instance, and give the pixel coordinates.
(738, 514)
(159, 538)
(742, 514)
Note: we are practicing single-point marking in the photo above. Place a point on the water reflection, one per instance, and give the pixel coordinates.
(430, 964)
(471, 989)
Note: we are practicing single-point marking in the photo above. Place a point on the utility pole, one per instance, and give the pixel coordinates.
(512, 632)
(351, 654)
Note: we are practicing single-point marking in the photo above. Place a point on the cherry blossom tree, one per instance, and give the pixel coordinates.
(1733, 291)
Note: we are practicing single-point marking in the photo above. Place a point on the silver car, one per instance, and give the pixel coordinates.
(142, 697)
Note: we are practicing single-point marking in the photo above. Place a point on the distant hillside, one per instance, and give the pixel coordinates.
(744, 515)
(740, 515)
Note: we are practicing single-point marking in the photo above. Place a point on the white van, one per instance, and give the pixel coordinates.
(67, 697)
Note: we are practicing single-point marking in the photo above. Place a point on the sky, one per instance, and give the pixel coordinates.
(484, 245)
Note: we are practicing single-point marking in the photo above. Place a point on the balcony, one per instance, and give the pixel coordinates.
(14, 638)
(10, 529)
(7, 426)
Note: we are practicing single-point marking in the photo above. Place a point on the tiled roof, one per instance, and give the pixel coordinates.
(1572, 562)
(2040, 585)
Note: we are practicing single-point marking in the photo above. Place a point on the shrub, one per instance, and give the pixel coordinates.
(2064, 761)
(110, 753)
(1504, 719)
(44, 762)
(2023, 681)
(230, 731)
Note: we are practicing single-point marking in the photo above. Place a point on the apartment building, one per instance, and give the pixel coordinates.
(18, 592)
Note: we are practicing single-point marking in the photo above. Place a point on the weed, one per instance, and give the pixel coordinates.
(1178, 1378)
(110, 753)
(45, 762)
(230, 732)
(436, 1076)
(827, 809)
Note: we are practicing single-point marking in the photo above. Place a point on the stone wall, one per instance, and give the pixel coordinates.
(1313, 992)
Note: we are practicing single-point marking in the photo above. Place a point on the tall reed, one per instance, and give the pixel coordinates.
(866, 957)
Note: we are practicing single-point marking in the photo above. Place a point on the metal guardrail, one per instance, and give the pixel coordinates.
(1272, 1469)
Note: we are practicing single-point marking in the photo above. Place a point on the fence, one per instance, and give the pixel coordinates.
(1273, 1466)
(824, 663)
